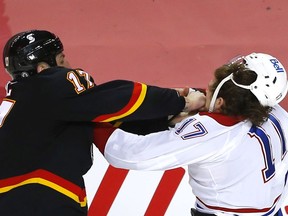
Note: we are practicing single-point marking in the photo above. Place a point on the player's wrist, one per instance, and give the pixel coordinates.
(188, 105)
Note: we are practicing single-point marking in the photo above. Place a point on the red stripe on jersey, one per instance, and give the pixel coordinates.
(223, 119)
(240, 210)
(107, 191)
(138, 95)
(48, 179)
(165, 192)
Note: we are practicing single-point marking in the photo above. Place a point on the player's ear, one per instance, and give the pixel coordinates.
(42, 66)
(218, 104)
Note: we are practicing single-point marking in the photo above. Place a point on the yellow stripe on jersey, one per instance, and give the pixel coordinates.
(135, 102)
(49, 180)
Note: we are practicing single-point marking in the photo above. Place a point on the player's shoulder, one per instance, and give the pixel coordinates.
(278, 110)
(61, 75)
(64, 81)
(55, 72)
(55, 75)
(211, 120)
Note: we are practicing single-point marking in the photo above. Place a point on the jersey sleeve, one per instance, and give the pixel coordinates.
(156, 151)
(116, 100)
(185, 144)
(130, 101)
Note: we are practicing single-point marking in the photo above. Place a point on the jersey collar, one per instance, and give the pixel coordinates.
(223, 119)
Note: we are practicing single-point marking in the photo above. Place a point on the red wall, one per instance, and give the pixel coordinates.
(161, 42)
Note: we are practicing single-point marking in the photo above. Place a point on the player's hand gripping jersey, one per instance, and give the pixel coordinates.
(214, 146)
(46, 132)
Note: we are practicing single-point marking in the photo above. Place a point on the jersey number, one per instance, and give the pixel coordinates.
(259, 133)
(5, 109)
(78, 86)
(199, 131)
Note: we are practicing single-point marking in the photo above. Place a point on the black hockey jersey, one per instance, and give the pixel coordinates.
(46, 129)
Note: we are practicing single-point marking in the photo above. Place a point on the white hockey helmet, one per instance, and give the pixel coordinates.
(270, 86)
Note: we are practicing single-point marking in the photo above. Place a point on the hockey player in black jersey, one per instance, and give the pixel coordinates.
(46, 124)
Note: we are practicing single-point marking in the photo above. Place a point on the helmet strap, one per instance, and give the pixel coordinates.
(215, 94)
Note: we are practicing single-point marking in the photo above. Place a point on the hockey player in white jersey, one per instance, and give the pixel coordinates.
(236, 151)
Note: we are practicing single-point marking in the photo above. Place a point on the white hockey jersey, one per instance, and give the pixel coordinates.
(234, 168)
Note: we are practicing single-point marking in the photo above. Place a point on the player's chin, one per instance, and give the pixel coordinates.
(203, 109)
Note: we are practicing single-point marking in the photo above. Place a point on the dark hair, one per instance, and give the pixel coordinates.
(239, 101)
